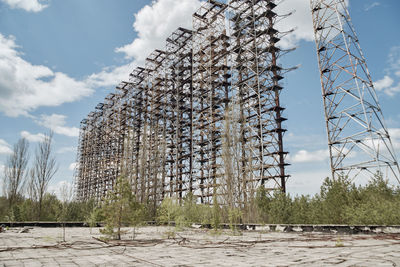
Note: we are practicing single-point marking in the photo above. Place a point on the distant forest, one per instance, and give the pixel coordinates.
(340, 201)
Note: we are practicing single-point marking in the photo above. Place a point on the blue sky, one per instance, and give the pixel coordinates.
(59, 58)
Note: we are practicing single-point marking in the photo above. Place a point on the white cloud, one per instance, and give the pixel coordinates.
(153, 24)
(394, 134)
(312, 141)
(383, 83)
(392, 74)
(56, 123)
(392, 91)
(72, 166)
(300, 20)
(110, 76)
(5, 147)
(27, 5)
(394, 60)
(32, 137)
(395, 137)
(307, 182)
(303, 156)
(63, 190)
(371, 6)
(25, 87)
(66, 149)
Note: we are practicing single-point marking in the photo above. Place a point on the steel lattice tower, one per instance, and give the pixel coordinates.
(358, 139)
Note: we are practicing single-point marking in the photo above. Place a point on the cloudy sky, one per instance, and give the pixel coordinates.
(59, 58)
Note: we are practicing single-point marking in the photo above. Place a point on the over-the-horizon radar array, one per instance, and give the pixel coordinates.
(204, 115)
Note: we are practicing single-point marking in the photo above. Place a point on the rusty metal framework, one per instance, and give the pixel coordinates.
(180, 113)
(358, 139)
(256, 86)
(210, 82)
(202, 117)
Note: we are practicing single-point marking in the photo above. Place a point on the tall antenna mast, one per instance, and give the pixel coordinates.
(358, 139)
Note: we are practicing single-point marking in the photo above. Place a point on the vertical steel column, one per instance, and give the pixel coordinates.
(138, 79)
(209, 70)
(179, 69)
(110, 143)
(97, 148)
(255, 85)
(82, 157)
(156, 94)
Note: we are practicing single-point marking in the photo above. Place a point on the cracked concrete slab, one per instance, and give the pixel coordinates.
(196, 247)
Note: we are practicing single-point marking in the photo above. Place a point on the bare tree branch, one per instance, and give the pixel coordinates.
(15, 170)
(43, 170)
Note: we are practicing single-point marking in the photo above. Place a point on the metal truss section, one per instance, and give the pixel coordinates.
(140, 128)
(125, 90)
(83, 157)
(202, 117)
(155, 123)
(256, 86)
(358, 138)
(211, 85)
(180, 110)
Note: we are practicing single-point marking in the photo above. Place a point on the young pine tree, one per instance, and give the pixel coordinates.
(121, 208)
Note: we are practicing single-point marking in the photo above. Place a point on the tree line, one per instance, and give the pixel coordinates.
(339, 201)
(25, 189)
